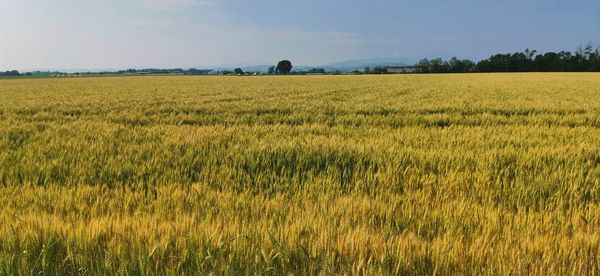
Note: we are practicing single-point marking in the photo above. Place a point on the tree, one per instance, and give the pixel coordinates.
(439, 66)
(238, 71)
(367, 70)
(530, 54)
(284, 67)
(380, 70)
(425, 65)
(271, 70)
(10, 73)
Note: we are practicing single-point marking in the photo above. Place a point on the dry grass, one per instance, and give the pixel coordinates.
(421, 174)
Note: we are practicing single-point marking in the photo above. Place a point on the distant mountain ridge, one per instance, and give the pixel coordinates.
(360, 64)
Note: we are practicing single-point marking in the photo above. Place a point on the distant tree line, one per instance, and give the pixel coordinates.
(585, 59)
(43, 73)
(149, 71)
(454, 65)
(316, 71)
(191, 71)
(10, 73)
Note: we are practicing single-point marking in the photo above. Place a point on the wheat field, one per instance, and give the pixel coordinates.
(479, 174)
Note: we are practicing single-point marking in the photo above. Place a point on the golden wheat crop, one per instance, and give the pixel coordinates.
(414, 174)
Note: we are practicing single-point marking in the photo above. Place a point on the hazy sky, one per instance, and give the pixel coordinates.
(102, 34)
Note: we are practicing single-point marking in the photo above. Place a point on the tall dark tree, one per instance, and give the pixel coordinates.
(238, 71)
(284, 67)
(271, 70)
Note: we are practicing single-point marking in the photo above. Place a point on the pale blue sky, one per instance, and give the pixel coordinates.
(102, 34)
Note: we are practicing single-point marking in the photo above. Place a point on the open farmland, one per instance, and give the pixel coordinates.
(412, 174)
